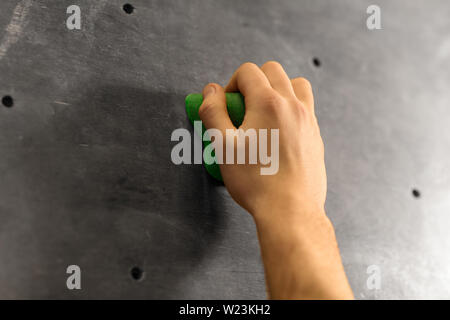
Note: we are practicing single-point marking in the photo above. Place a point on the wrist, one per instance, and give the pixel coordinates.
(300, 253)
(287, 208)
(295, 223)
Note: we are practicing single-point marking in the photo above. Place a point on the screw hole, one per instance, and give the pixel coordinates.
(7, 101)
(316, 62)
(137, 273)
(128, 8)
(416, 193)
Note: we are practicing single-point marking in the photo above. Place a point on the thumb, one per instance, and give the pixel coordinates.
(213, 111)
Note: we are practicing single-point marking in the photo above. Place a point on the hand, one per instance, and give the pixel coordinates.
(272, 101)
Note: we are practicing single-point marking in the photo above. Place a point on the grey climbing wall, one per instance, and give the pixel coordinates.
(85, 172)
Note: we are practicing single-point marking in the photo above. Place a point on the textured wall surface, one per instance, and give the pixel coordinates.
(85, 170)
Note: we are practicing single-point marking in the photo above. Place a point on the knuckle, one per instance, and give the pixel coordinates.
(299, 105)
(206, 109)
(300, 110)
(272, 100)
(272, 64)
(303, 82)
(212, 84)
(248, 66)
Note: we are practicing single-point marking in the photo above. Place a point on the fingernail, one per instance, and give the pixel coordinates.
(209, 90)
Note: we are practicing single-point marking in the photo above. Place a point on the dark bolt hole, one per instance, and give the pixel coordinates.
(416, 193)
(7, 101)
(137, 273)
(128, 8)
(316, 62)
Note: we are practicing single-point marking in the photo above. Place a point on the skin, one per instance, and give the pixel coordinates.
(298, 244)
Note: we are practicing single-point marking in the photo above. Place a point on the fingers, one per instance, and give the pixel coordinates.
(213, 111)
(251, 80)
(278, 78)
(248, 79)
(303, 92)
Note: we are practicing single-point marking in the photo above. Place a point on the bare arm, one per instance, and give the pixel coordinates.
(298, 245)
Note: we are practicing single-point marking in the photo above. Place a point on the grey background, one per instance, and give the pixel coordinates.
(85, 170)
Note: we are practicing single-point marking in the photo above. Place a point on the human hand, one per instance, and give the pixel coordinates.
(298, 244)
(272, 101)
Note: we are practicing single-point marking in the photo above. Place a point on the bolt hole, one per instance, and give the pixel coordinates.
(137, 273)
(316, 62)
(416, 193)
(128, 8)
(7, 101)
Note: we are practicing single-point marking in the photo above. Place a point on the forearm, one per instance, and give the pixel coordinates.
(300, 254)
